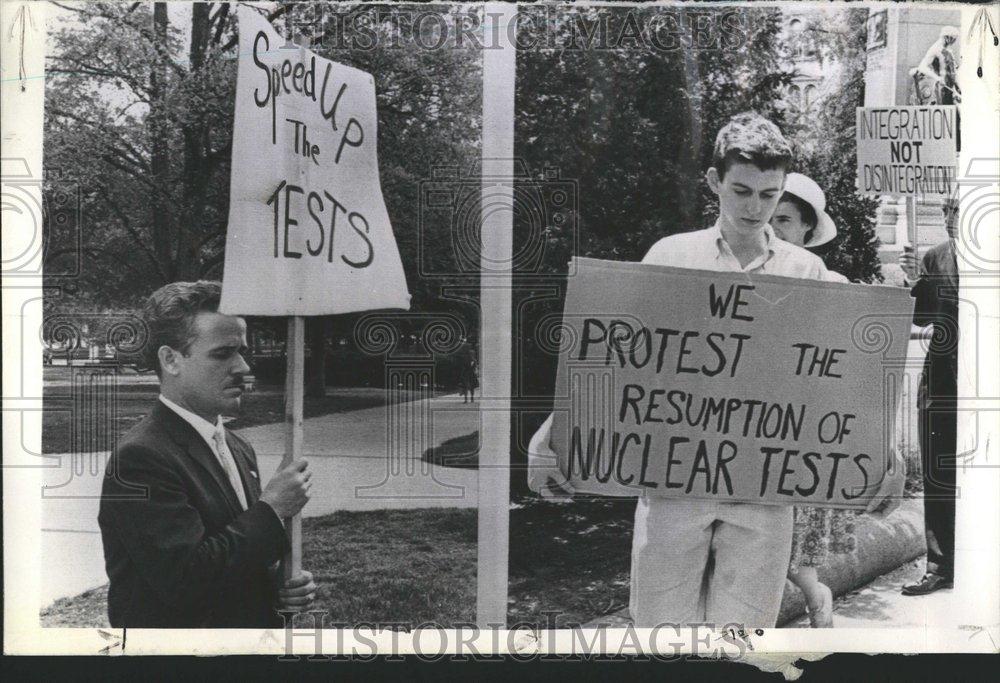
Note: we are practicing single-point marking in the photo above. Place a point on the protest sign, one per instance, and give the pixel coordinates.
(691, 383)
(907, 151)
(308, 231)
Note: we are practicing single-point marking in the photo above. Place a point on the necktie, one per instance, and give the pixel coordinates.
(228, 463)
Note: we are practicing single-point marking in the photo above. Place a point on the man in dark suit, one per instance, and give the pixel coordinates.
(936, 294)
(190, 539)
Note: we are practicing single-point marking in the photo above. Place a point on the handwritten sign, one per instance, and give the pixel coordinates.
(718, 385)
(907, 150)
(308, 231)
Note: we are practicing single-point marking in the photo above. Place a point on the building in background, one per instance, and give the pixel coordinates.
(812, 74)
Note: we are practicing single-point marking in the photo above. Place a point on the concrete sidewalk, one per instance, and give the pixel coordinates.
(361, 460)
(881, 603)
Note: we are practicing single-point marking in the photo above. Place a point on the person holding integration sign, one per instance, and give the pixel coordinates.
(710, 556)
(936, 294)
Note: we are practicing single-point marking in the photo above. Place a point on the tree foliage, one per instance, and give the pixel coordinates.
(139, 111)
(827, 146)
(140, 121)
(633, 127)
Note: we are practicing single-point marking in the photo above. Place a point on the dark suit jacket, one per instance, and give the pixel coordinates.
(936, 303)
(182, 553)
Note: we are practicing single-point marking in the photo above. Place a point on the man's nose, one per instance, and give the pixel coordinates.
(755, 205)
(241, 368)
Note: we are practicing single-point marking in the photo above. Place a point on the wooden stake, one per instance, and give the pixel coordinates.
(294, 397)
(911, 224)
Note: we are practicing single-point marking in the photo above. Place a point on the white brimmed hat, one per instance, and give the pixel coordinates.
(807, 190)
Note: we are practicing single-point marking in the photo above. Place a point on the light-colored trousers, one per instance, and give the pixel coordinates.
(672, 581)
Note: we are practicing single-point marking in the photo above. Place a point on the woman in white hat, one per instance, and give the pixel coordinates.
(801, 218)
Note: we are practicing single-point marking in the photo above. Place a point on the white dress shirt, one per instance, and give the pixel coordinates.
(708, 250)
(215, 438)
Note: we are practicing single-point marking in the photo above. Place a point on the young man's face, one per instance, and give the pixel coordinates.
(209, 378)
(747, 196)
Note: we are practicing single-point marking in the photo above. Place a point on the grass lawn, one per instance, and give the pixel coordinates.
(570, 559)
(409, 566)
(133, 401)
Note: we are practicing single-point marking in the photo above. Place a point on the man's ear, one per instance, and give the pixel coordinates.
(168, 358)
(712, 176)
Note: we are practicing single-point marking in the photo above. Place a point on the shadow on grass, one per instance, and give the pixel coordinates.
(569, 563)
(462, 452)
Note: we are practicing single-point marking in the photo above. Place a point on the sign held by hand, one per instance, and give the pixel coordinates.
(687, 383)
(308, 231)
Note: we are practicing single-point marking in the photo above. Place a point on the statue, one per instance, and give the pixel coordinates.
(934, 78)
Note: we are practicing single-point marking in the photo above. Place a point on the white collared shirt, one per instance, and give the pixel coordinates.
(207, 432)
(708, 250)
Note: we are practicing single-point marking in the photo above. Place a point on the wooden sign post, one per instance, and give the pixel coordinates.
(295, 348)
(911, 225)
(495, 298)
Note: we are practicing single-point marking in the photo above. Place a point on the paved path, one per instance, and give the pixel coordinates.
(881, 604)
(361, 460)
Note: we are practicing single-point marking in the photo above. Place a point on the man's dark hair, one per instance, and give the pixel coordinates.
(169, 316)
(749, 138)
(807, 212)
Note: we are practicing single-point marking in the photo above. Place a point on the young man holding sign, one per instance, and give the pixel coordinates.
(190, 539)
(674, 538)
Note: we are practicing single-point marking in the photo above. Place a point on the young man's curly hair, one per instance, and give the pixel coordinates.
(750, 138)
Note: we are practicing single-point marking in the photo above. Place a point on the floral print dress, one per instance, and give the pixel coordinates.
(819, 533)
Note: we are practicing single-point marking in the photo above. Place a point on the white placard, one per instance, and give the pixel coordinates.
(907, 151)
(308, 231)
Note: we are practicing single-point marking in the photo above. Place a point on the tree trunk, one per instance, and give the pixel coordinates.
(690, 156)
(315, 380)
(159, 157)
(194, 176)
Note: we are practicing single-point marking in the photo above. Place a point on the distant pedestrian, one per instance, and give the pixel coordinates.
(468, 378)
